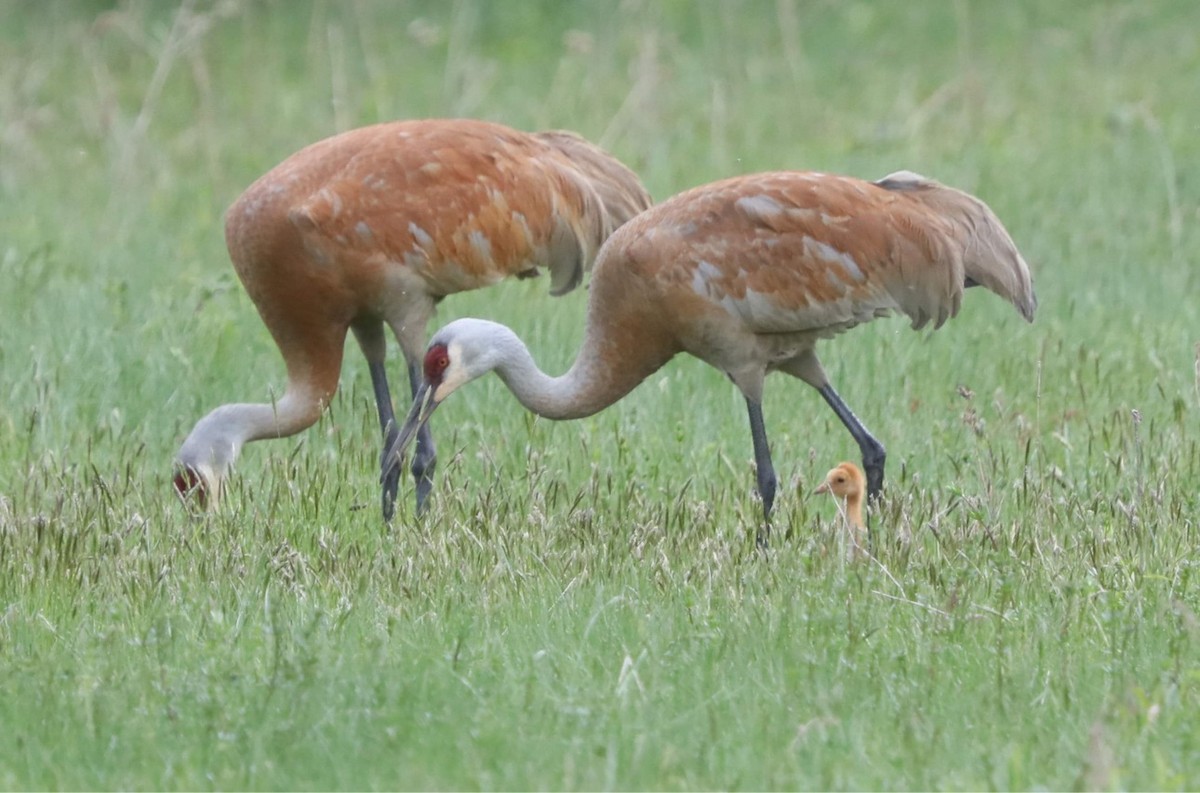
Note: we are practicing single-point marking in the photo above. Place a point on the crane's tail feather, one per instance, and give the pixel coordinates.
(991, 259)
(989, 256)
(618, 188)
(599, 195)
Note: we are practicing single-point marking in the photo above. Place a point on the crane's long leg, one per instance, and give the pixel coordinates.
(387, 424)
(767, 480)
(873, 453)
(425, 455)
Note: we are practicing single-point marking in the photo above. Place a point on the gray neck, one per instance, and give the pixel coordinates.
(593, 382)
(217, 439)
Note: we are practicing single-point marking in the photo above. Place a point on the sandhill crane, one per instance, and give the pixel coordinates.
(748, 274)
(375, 226)
(846, 483)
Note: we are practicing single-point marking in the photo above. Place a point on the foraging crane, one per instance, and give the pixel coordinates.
(748, 274)
(846, 483)
(377, 225)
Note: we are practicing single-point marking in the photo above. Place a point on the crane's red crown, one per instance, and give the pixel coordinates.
(188, 485)
(436, 361)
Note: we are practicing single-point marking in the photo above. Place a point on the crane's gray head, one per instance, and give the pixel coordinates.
(207, 455)
(462, 351)
(457, 354)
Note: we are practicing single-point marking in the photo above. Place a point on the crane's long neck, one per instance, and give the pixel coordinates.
(217, 439)
(614, 359)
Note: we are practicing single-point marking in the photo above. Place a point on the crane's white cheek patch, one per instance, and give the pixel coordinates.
(209, 479)
(444, 390)
(454, 376)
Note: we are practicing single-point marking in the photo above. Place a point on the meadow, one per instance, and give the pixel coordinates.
(584, 607)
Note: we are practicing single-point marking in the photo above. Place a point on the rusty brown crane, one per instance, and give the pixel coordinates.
(748, 274)
(373, 227)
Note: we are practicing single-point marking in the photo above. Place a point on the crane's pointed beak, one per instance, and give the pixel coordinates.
(422, 409)
(823, 488)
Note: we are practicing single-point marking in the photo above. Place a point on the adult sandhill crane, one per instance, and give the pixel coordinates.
(846, 483)
(748, 274)
(375, 226)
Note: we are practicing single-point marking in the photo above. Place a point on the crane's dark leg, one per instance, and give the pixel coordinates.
(873, 453)
(387, 424)
(425, 454)
(767, 481)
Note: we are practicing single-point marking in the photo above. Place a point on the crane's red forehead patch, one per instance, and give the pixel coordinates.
(189, 485)
(436, 361)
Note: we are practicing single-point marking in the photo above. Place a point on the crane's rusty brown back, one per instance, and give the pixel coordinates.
(801, 253)
(461, 203)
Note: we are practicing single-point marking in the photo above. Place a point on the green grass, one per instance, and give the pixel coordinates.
(583, 608)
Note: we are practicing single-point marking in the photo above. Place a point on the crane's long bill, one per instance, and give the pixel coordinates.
(423, 407)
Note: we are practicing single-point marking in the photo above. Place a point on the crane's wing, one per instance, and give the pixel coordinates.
(799, 252)
(463, 203)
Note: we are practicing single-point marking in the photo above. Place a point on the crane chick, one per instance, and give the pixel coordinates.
(847, 484)
(749, 274)
(376, 225)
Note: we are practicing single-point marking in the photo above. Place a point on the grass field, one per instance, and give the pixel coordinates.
(583, 608)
